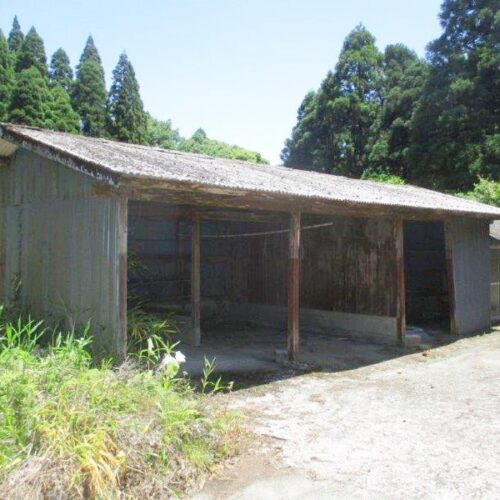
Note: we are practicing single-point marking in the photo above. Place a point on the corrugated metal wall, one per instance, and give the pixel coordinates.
(471, 273)
(62, 247)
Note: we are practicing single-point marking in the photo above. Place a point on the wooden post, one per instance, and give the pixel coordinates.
(293, 287)
(400, 281)
(121, 344)
(195, 281)
(450, 279)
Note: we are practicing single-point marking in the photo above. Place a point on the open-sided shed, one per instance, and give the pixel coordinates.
(267, 244)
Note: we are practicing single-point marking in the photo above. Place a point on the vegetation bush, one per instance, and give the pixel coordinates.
(485, 191)
(71, 429)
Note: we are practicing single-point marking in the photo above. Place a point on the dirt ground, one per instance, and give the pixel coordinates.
(425, 425)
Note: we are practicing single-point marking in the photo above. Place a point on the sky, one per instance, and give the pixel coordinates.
(238, 69)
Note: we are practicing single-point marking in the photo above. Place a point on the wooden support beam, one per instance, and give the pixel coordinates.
(195, 281)
(121, 342)
(450, 278)
(400, 281)
(293, 287)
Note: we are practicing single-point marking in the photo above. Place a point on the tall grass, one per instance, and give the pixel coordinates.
(71, 429)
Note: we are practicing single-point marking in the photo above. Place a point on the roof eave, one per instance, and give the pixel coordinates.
(98, 172)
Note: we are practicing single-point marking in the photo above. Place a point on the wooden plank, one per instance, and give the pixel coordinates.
(294, 287)
(195, 281)
(121, 348)
(450, 278)
(400, 271)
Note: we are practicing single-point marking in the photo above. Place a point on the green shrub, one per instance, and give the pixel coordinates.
(71, 428)
(485, 191)
(384, 177)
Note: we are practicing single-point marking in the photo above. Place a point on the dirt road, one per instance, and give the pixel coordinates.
(426, 425)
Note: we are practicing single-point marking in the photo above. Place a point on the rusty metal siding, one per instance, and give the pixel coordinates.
(471, 273)
(31, 178)
(62, 248)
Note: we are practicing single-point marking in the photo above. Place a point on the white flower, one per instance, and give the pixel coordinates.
(167, 361)
(179, 357)
(150, 346)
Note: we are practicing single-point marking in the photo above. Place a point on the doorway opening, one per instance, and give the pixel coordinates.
(427, 298)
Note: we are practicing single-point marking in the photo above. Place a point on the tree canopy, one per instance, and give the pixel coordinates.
(433, 122)
(126, 119)
(89, 91)
(60, 70)
(16, 36)
(6, 76)
(32, 53)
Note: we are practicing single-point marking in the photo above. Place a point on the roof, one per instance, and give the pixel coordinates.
(114, 162)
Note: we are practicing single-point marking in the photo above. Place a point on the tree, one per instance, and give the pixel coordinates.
(89, 91)
(458, 117)
(200, 143)
(161, 133)
(333, 129)
(30, 102)
(16, 37)
(126, 120)
(6, 76)
(60, 71)
(32, 53)
(299, 150)
(61, 115)
(404, 80)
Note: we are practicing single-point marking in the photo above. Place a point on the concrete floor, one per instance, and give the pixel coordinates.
(246, 354)
(424, 425)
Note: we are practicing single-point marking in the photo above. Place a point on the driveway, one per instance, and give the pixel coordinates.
(425, 425)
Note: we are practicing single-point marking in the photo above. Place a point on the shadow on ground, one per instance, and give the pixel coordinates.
(245, 354)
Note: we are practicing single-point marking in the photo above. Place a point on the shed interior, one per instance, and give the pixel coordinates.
(427, 300)
(348, 271)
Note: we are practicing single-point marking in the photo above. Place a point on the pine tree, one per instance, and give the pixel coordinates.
(32, 53)
(16, 37)
(89, 91)
(126, 118)
(60, 71)
(6, 76)
(31, 98)
(61, 115)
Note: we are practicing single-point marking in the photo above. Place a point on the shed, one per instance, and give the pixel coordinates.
(231, 240)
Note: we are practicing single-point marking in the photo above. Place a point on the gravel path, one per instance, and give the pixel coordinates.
(426, 425)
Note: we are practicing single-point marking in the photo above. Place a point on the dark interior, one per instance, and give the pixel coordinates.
(427, 302)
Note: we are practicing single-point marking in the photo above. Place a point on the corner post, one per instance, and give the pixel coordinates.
(450, 278)
(121, 347)
(400, 281)
(195, 281)
(293, 287)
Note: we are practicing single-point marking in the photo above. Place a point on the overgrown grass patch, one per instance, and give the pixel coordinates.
(71, 429)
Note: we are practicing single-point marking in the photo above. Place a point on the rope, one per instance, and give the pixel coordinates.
(263, 233)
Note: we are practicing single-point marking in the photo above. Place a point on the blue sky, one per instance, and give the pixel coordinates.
(237, 68)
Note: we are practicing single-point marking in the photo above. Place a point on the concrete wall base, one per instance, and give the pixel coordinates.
(378, 329)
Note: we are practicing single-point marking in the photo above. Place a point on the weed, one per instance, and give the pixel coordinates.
(73, 429)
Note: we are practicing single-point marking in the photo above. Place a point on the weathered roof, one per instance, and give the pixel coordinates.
(113, 162)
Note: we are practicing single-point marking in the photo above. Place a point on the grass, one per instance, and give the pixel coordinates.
(70, 429)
